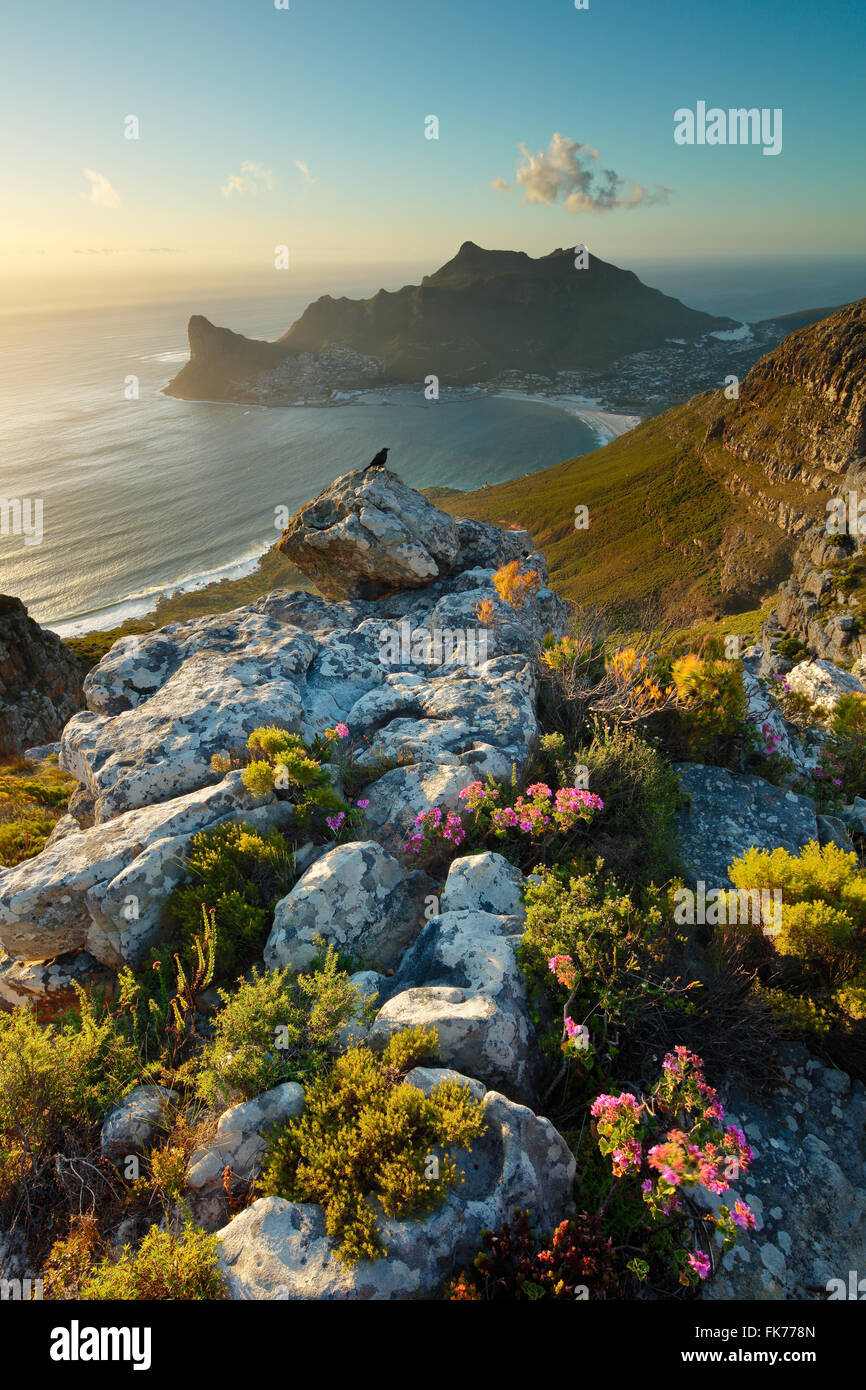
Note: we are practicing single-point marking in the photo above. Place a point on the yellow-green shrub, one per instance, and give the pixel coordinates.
(181, 1266)
(365, 1136)
(55, 1079)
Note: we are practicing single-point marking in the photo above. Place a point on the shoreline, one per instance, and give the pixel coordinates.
(142, 605)
(607, 424)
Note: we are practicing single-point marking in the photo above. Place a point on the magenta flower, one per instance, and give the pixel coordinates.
(700, 1263)
(744, 1216)
(363, 804)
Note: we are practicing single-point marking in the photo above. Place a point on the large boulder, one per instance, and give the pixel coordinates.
(240, 1141)
(40, 682)
(728, 812)
(462, 977)
(357, 898)
(215, 686)
(368, 534)
(277, 1249)
(485, 882)
(103, 890)
(824, 684)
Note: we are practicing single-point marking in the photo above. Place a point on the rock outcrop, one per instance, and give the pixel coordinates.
(160, 705)
(40, 682)
(806, 1186)
(728, 813)
(277, 1249)
(368, 535)
(357, 898)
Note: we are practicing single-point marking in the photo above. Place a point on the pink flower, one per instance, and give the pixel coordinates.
(700, 1263)
(341, 730)
(363, 804)
(336, 821)
(743, 1216)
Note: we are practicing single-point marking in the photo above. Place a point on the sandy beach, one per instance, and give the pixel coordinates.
(606, 424)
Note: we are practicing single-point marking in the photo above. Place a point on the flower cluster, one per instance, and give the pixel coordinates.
(563, 968)
(339, 731)
(771, 739)
(537, 813)
(435, 830)
(703, 1153)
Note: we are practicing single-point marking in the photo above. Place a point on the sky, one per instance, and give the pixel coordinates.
(304, 127)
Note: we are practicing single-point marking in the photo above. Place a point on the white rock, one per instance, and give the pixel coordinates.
(356, 897)
(277, 1249)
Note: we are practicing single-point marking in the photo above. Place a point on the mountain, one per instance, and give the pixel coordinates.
(480, 315)
(714, 503)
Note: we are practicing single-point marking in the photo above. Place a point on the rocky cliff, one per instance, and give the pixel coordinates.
(447, 954)
(713, 504)
(40, 682)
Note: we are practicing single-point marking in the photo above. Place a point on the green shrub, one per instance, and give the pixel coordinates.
(240, 873)
(593, 960)
(640, 792)
(366, 1136)
(712, 709)
(181, 1266)
(275, 1027)
(847, 743)
(811, 977)
(56, 1082)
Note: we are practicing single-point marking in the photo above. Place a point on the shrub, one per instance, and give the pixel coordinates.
(671, 1141)
(524, 828)
(365, 1136)
(56, 1084)
(712, 709)
(512, 1264)
(847, 743)
(167, 1265)
(596, 959)
(240, 873)
(821, 945)
(640, 792)
(275, 1027)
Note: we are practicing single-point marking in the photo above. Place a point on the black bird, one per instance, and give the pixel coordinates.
(379, 461)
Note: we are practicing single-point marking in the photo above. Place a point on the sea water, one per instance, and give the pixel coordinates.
(142, 496)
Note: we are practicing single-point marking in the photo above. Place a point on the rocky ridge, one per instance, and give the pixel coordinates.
(161, 705)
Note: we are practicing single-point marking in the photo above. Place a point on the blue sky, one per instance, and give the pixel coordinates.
(343, 88)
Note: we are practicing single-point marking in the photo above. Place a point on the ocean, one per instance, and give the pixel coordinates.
(143, 496)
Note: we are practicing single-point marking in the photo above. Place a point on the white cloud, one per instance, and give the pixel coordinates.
(571, 173)
(299, 163)
(251, 179)
(101, 191)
